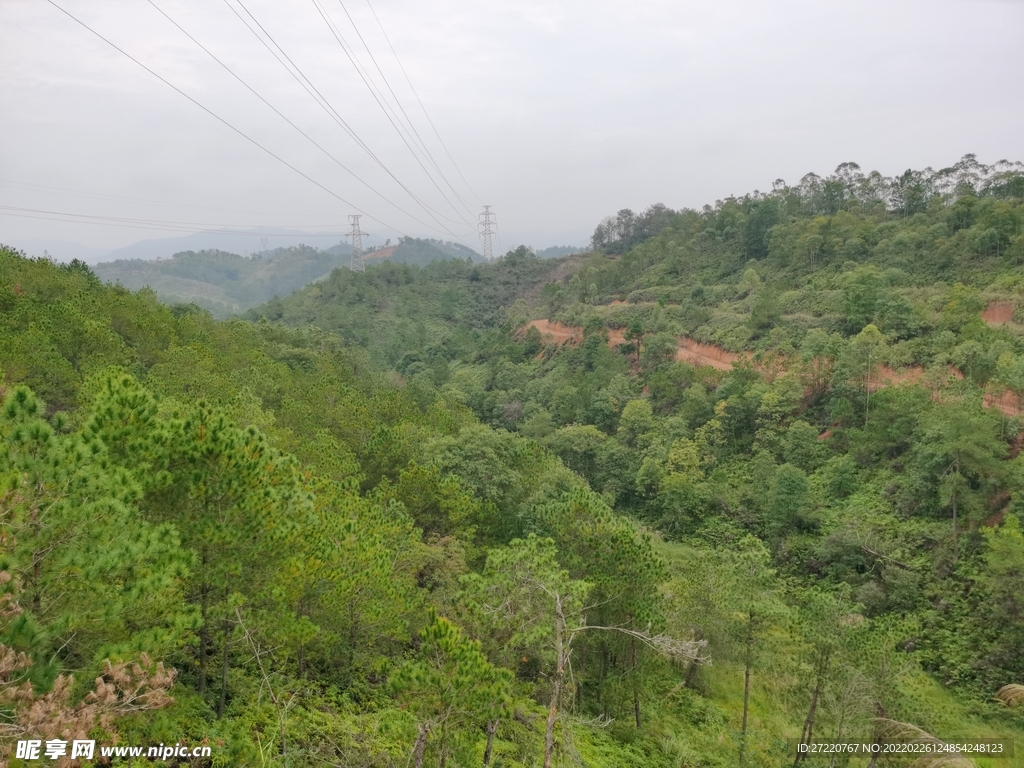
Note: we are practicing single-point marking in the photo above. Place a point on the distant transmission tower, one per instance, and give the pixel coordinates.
(356, 263)
(486, 227)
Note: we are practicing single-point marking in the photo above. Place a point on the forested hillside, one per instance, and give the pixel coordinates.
(226, 283)
(834, 369)
(338, 569)
(412, 250)
(392, 308)
(223, 283)
(737, 479)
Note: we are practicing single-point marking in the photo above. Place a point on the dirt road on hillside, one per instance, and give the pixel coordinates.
(558, 332)
(690, 351)
(999, 312)
(699, 354)
(695, 353)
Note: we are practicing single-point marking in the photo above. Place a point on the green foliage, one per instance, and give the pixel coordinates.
(435, 311)
(452, 689)
(360, 567)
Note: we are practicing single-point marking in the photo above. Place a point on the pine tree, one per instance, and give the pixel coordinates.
(451, 688)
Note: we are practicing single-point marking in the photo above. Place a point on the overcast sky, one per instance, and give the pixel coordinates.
(556, 113)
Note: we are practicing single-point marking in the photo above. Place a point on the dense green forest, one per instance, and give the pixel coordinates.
(392, 309)
(736, 479)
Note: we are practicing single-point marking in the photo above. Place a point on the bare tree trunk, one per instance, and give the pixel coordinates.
(874, 757)
(691, 670)
(636, 689)
(556, 686)
(879, 712)
(867, 391)
(691, 674)
(224, 672)
(956, 546)
(492, 727)
(420, 746)
(204, 639)
(282, 710)
(746, 686)
(808, 730)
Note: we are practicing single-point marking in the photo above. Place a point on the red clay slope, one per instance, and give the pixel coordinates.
(699, 354)
(999, 312)
(691, 351)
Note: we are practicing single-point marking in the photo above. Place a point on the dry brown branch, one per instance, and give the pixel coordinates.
(880, 556)
(907, 733)
(1011, 695)
(121, 690)
(669, 647)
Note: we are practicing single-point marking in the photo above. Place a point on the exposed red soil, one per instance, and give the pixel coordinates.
(995, 520)
(699, 354)
(558, 332)
(695, 353)
(383, 253)
(999, 312)
(1005, 401)
(884, 376)
(616, 336)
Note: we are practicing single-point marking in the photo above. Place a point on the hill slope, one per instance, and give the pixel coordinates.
(226, 283)
(809, 367)
(411, 561)
(221, 282)
(394, 308)
(411, 250)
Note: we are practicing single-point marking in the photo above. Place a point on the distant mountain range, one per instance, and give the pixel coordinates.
(241, 242)
(225, 283)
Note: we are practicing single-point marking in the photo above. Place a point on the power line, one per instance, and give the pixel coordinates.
(325, 104)
(398, 101)
(377, 95)
(216, 116)
(99, 195)
(420, 101)
(191, 224)
(344, 47)
(123, 221)
(285, 118)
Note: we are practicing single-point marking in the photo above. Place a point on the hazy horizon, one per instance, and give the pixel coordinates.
(557, 114)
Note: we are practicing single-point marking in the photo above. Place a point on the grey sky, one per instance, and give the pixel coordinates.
(558, 113)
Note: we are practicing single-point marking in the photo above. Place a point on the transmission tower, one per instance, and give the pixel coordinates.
(356, 263)
(486, 227)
